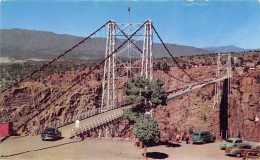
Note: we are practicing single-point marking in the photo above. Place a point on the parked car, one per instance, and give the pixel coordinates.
(237, 151)
(252, 155)
(202, 137)
(51, 134)
(233, 142)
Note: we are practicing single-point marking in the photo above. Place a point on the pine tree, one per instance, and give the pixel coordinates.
(146, 130)
(144, 95)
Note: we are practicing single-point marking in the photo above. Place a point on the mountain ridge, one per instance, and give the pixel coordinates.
(24, 44)
(225, 49)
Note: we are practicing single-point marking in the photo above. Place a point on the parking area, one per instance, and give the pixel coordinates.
(32, 147)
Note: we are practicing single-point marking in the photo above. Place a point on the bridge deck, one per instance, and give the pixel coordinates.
(66, 129)
(194, 88)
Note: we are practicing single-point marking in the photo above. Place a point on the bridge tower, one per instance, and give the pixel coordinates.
(223, 70)
(135, 58)
(147, 56)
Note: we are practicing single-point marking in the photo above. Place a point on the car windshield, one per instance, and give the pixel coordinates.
(229, 141)
(49, 131)
(196, 134)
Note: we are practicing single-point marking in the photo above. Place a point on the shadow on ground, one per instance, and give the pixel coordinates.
(54, 139)
(169, 144)
(156, 155)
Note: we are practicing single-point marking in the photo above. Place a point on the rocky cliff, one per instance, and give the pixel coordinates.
(37, 102)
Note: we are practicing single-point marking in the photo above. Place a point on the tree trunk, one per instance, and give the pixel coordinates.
(141, 144)
(145, 150)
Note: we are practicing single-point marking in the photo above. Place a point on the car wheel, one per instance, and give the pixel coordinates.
(43, 139)
(204, 142)
(238, 155)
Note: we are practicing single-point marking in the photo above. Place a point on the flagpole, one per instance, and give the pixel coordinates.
(129, 14)
(129, 51)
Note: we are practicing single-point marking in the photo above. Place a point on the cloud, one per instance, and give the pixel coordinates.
(190, 0)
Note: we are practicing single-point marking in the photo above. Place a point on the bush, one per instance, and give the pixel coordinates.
(191, 130)
(98, 77)
(246, 69)
(146, 130)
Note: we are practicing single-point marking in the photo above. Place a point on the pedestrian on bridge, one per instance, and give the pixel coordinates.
(77, 124)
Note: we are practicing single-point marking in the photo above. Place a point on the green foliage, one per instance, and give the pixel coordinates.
(146, 130)
(165, 67)
(157, 66)
(130, 115)
(193, 63)
(204, 118)
(179, 60)
(183, 66)
(234, 70)
(98, 77)
(241, 60)
(13, 72)
(246, 69)
(144, 94)
(191, 130)
(232, 61)
(255, 56)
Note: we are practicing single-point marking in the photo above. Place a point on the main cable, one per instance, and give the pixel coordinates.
(55, 59)
(172, 55)
(153, 62)
(83, 77)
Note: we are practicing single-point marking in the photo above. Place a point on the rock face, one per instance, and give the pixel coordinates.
(244, 108)
(35, 103)
(195, 111)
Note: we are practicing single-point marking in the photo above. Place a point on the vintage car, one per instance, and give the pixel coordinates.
(237, 151)
(252, 155)
(202, 137)
(51, 134)
(233, 142)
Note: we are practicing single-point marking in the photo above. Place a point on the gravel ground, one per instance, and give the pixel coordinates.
(32, 147)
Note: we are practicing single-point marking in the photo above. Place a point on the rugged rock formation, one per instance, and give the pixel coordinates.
(35, 103)
(38, 102)
(195, 110)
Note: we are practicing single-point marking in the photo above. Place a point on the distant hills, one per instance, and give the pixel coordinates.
(225, 49)
(22, 44)
(27, 44)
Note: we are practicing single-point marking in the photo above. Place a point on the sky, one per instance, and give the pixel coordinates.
(198, 23)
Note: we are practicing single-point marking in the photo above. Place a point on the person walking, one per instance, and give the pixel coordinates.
(187, 138)
(178, 136)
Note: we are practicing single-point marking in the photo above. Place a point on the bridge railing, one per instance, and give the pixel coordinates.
(71, 119)
(190, 85)
(95, 124)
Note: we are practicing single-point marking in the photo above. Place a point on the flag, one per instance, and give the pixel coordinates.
(128, 9)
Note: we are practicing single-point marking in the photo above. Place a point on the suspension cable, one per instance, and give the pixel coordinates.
(83, 77)
(55, 59)
(172, 55)
(153, 62)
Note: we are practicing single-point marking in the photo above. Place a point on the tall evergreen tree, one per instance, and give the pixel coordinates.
(146, 130)
(144, 95)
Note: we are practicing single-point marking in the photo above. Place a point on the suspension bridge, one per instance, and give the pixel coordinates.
(128, 53)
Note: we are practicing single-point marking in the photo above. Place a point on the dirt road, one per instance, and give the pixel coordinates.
(33, 148)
